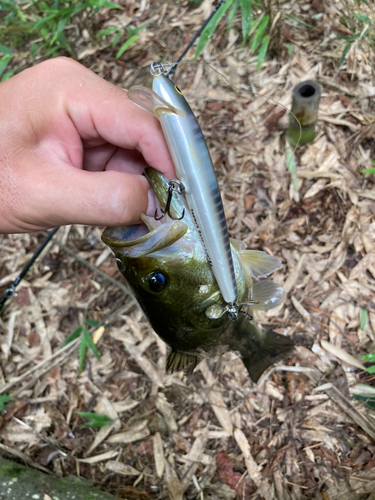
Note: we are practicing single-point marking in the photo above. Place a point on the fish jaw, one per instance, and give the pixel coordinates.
(137, 240)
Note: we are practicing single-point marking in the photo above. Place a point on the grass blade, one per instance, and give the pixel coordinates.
(369, 357)
(298, 21)
(211, 26)
(262, 51)
(107, 31)
(363, 18)
(366, 400)
(42, 21)
(247, 17)
(104, 4)
(116, 38)
(5, 50)
(292, 167)
(92, 322)
(8, 74)
(4, 398)
(232, 13)
(259, 33)
(82, 355)
(134, 31)
(4, 61)
(77, 332)
(363, 320)
(90, 343)
(95, 424)
(368, 171)
(94, 419)
(126, 45)
(344, 52)
(94, 416)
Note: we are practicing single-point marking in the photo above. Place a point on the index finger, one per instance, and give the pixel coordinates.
(101, 112)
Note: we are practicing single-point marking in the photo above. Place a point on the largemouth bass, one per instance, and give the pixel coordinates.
(165, 264)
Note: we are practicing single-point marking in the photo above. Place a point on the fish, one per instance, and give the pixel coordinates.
(165, 265)
(196, 176)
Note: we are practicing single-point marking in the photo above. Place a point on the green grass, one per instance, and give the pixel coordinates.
(86, 342)
(366, 400)
(95, 420)
(362, 26)
(254, 30)
(4, 399)
(370, 358)
(370, 170)
(368, 395)
(48, 28)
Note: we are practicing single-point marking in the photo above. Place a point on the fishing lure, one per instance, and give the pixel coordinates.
(196, 176)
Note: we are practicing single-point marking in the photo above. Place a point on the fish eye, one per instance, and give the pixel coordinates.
(157, 281)
(178, 90)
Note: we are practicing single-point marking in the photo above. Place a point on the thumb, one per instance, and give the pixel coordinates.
(108, 198)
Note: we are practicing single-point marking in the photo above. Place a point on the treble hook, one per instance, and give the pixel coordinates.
(233, 310)
(174, 185)
(249, 317)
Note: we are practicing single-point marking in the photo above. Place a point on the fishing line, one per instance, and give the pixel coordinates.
(12, 288)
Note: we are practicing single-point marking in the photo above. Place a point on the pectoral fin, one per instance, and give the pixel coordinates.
(267, 295)
(275, 348)
(261, 264)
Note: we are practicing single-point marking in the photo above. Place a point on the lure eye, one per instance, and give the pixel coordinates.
(178, 90)
(157, 281)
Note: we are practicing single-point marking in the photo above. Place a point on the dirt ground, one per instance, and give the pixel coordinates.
(298, 433)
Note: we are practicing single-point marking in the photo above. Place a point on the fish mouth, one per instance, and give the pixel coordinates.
(153, 235)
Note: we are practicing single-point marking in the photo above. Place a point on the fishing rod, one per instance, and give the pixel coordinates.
(192, 41)
(12, 288)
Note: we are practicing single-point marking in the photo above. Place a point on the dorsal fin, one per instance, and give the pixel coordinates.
(239, 245)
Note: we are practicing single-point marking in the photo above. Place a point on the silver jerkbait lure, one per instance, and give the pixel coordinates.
(196, 177)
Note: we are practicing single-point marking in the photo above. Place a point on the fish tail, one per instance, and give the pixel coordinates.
(274, 348)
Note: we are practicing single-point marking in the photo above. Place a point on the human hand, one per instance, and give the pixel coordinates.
(72, 150)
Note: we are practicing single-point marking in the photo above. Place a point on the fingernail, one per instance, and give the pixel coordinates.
(151, 203)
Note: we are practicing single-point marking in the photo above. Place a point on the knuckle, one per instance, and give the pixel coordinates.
(59, 65)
